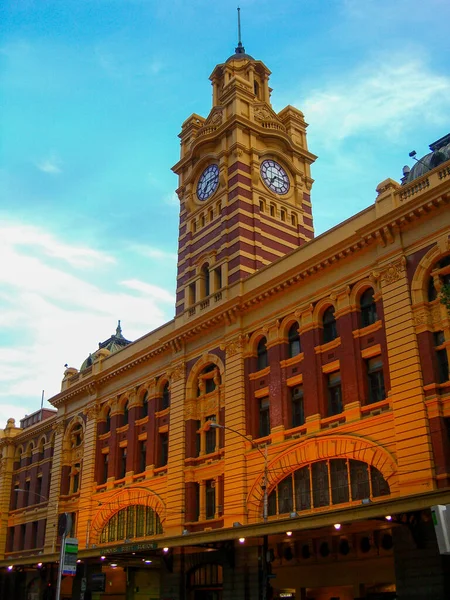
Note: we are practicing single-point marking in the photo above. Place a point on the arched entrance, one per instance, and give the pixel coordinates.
(205, 582)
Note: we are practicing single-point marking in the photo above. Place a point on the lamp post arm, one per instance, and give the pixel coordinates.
(264, 486)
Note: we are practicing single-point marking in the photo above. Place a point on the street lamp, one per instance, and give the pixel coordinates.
(265, 549)
(31, 492)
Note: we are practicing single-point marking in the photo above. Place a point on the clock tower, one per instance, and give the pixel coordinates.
(244, 185)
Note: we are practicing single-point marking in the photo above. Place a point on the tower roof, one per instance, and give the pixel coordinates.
(112, 344)
(440, 152)
(239, 51)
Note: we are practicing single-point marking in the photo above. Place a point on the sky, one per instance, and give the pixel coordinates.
(93, 95)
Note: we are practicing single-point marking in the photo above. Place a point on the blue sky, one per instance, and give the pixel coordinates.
(93, 94)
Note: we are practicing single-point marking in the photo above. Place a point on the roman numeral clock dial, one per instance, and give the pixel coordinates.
(208, 182)
(275, 177)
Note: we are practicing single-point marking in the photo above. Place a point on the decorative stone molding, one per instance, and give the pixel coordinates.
(177, 373)
(394, 271)
(58, 427)
(92, 411)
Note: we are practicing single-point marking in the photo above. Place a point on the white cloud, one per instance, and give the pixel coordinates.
(388, 95)
(20, 235)
(149, 290)
(50, 314)
(151, 252)
(51, 165)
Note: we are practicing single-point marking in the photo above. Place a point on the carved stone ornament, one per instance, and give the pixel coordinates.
(177, 373)
(394, 271)
(58, 427)
(436, 314)
(215, 119)
(420, 318)
(262, 113)
(91, 411)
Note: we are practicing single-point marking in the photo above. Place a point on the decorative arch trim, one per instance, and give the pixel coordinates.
(419, 284)
(204, 361)
(319, 310)
(359, 289)
(122, 499)
(313, 450)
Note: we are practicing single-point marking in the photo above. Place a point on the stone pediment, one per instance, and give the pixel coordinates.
(263, 113)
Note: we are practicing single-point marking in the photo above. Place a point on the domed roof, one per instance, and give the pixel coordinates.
(240, 54)
(440, 153)
(113, 344)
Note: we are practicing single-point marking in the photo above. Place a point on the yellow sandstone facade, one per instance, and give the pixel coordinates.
(302, 384)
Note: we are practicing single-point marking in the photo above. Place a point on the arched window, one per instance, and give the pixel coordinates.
(368, 308)
(293, 220)
(145, 405)
(208, 380)
(261, 353)
(329, 325)
(325, 483)
(206, 284)
(125, 414)
(166, 396)
(135, 521)
(283, 214)
(294, 341)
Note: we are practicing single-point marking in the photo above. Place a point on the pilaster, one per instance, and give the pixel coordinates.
(412, 436)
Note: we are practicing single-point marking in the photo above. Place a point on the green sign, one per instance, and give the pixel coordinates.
(70, 557)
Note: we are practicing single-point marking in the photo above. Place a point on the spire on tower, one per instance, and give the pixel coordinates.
(240, 48)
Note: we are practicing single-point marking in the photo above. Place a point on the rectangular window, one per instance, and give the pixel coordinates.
(27, 494)
(192, 298)
(375, 379)
(34, 534)
(334, 394)
(142, 456)
(210, 500)
(264, 417)
(23, 529)
(10, 542)
(164, 449)
(298, 415)
(39, 490)
(105, 458)
(123, 463)
(218, 278)
(210, 437)
(197, 502)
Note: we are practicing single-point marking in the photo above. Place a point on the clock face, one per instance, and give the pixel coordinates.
(208, 182)
(275, 177)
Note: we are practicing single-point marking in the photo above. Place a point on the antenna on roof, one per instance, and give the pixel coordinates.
(240, 48)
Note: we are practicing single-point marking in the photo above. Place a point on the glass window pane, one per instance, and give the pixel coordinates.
(359, 478)
(380, 486)
(272, 503)
(285, 496)
(321, 494)
(302, 489)
(339, 481)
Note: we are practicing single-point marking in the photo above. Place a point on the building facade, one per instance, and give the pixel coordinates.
(286, 434)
